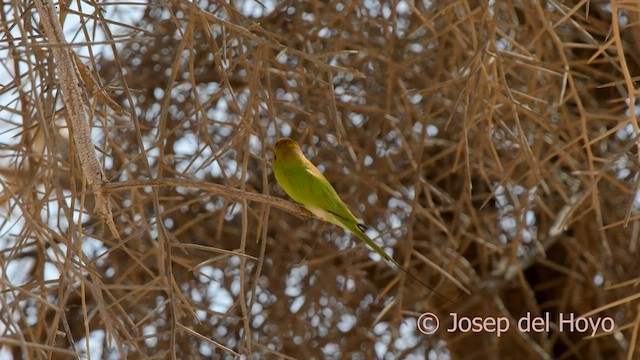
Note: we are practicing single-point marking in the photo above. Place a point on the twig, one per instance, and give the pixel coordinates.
(215, 189)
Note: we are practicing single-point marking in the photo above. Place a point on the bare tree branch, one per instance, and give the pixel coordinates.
(215, 189)
(77, 115)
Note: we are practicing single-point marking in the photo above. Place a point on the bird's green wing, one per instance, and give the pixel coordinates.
(321, 194)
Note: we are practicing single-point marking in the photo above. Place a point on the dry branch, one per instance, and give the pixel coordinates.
(77, 115)
(490, 142)
(217, 189)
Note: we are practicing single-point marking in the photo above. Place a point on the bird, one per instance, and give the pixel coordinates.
(306, 185)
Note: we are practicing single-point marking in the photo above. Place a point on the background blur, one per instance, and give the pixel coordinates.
(490, 147)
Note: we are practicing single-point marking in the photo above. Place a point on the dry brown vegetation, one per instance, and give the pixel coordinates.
(490, 148)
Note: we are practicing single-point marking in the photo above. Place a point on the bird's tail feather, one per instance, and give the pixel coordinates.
(357, 229)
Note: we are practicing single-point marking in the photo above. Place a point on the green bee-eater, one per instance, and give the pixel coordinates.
(306, 185)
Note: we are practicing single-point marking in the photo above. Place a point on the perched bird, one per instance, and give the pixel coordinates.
(306, 185)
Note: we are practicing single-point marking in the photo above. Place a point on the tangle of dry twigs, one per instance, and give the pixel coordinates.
(489, 146)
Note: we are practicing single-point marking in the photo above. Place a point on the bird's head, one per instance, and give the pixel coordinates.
(285, 147)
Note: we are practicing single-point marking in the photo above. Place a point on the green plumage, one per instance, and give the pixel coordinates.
(305, 184)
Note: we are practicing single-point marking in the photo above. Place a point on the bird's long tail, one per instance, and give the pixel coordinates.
(359, 231)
